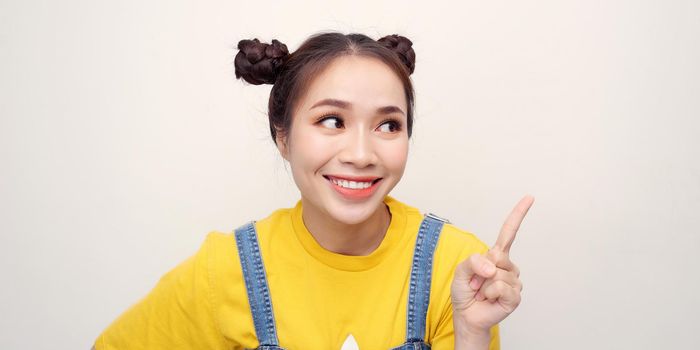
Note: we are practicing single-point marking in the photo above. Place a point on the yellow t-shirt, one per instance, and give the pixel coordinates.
(319, 297)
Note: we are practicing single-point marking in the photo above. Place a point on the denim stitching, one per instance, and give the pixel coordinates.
(419, 291)
(271, 333)
(256, 286)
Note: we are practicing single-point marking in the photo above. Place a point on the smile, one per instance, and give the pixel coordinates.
(353, 187)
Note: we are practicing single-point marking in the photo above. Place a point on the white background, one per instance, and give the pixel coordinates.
(125, 138)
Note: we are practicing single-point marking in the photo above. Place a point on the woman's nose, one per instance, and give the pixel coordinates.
(358, 150)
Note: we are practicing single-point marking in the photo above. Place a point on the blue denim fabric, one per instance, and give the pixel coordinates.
(418, 296)
(256, 286)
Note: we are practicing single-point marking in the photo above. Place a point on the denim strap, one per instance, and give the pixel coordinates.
(256, 285)
(419, 290)
(421, 271)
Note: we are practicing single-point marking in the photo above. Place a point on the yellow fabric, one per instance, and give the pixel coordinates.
(319, 297)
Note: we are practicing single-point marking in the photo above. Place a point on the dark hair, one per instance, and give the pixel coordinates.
(262, 63)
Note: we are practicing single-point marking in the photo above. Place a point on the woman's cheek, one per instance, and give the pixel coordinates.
(396, 156)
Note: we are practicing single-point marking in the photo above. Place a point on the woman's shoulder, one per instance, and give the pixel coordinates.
(461, 241)
(227, 237)
(221, 245)
(454, 241)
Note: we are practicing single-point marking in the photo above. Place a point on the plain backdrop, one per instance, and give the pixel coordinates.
(125, 138)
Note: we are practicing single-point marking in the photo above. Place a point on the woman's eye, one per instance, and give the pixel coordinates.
(390, 126)
(332, 123)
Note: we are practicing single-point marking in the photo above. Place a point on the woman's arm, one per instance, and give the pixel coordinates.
(178, 311)
(470, 340)
(486, 288)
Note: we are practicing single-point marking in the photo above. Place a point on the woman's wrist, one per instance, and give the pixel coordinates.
(470, 338)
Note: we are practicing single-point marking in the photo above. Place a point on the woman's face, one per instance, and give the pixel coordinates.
(348, 143)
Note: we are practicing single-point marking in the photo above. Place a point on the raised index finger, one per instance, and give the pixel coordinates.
(512, 224)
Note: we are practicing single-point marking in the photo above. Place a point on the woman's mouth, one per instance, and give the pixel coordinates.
(351, 187)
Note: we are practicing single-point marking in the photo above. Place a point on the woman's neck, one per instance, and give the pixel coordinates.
(357, 239)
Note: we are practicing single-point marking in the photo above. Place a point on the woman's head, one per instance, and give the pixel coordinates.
(340, 111)
(262, 63)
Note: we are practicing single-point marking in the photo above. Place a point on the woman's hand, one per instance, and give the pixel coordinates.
(486, 289)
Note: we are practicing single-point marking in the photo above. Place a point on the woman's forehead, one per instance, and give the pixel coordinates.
(363, 82)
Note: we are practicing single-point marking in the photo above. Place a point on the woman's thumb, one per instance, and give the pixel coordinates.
(476, 264)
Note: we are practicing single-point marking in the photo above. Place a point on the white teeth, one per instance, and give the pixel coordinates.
(355, 185)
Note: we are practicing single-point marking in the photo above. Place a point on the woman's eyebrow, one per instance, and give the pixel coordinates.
(347, 105)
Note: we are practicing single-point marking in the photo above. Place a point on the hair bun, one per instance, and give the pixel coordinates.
(258, 63)
(403, 47)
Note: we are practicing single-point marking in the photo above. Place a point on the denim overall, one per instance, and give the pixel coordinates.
(418, 297)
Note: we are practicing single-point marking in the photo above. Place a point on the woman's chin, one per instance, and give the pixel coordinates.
(355, 213)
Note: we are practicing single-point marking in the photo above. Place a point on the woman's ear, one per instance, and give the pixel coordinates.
(282, 144)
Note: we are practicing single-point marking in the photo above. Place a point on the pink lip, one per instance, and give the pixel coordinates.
(350, 193)
(353, 178)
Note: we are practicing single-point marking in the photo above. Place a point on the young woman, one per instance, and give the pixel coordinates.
(349, 266)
